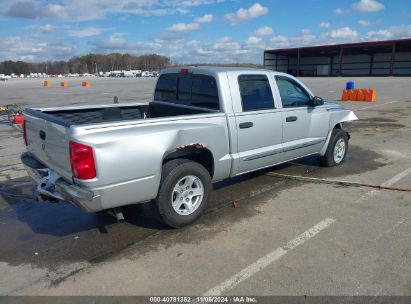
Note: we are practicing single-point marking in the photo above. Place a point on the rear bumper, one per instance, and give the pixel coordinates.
(51, 186)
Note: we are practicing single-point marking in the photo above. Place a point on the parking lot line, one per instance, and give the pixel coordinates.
(394, 227)
(384, 186)
(396, 178)
(270, 258)
(378, 105)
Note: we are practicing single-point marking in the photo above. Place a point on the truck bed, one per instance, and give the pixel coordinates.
(115, 113)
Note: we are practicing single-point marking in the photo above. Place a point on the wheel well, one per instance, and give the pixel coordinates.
(195, 152)
(340, 126)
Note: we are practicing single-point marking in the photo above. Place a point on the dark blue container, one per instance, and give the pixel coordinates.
(350, 85)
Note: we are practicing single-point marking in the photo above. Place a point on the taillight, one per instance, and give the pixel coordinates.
(82, 161)
(184, 71)
(18, 119)
(24, 132)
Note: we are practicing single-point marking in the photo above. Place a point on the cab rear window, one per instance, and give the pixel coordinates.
(188, 89)
(166, 89)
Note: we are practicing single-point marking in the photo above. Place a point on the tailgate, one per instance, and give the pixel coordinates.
(49, 143)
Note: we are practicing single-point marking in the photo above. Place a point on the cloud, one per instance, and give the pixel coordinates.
(184, 27)
(116, 41)
(307, 38)
(280, 41)
(20, 48)
(264, 31)
(379, 35)
(393, 32)
(253, 40)
(338, 11)
(204, 19)
(225, 43)
(32, 10)
(86, 10)
(22, 9)
(242, 14)
(55, 11)
(325, 25)
(41, 30)
(86, 32)
(343, 33)
(367, 6)
(46, 29)
(364, 22)
(222, 50)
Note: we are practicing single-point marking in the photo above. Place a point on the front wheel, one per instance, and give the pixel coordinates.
(184, 190)
(336, 150)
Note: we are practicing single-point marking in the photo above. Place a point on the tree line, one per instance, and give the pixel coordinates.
(91, 63)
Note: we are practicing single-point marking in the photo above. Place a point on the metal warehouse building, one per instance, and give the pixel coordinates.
(377, 58)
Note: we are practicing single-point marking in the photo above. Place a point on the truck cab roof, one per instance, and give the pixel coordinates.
(215, 70)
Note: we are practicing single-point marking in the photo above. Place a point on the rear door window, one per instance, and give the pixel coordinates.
(255, 92)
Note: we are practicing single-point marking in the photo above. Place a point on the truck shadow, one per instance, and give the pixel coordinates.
(47, 235)
(62, 218)
(17, 205)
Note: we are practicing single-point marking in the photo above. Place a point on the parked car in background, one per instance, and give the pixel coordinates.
(4, 77)
(147, 74)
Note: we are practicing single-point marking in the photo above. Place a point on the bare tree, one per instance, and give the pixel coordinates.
(90, 63)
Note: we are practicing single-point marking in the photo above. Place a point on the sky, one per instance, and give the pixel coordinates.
(191, 31)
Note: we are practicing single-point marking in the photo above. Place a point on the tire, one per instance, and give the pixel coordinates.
(338, 140)
(184, 190)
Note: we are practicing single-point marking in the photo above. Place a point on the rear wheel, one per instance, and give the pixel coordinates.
(184, 190)
(336, 150)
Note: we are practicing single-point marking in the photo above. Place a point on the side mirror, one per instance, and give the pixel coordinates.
(317, 101)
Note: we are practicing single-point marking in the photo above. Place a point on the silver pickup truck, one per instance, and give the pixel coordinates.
(205, 124)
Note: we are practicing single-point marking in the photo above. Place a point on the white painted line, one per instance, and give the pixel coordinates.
(270, 258)
(377, 105)
(396, 178)
(398, 224)
(388, 183)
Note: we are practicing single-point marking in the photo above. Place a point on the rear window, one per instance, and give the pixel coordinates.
(194, 90)
(166, 89)
(184, 89)
(204, 92)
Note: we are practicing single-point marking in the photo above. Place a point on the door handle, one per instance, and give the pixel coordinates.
(246, 125)
(291, 118)
(42, 135)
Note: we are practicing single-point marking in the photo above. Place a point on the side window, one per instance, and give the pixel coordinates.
(255, 92)
(204, 92)
(166, 89)
(292, 94)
